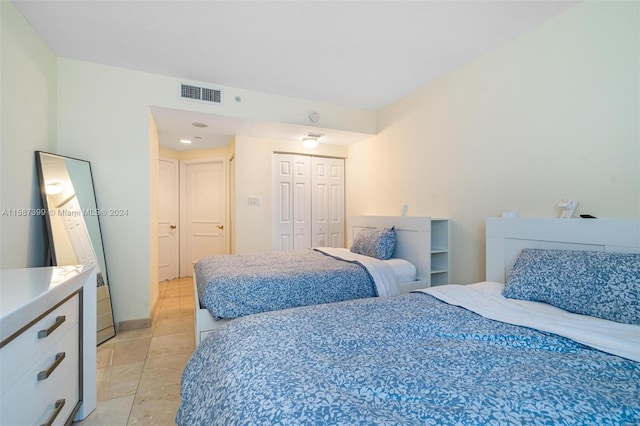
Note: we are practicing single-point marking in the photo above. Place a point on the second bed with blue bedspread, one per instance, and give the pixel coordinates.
(239, 285)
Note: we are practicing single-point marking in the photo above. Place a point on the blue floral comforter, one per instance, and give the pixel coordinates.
(239, 285)
(405, 360)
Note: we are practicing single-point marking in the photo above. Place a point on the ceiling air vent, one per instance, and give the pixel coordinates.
(313, 135)
(200, 93)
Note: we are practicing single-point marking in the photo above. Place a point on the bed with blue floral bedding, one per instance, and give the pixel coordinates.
(417, 359)
(233, 286)
(558, 343)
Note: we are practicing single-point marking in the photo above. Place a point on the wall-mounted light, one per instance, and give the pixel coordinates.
(310, 140)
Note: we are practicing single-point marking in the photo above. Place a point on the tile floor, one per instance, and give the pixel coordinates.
(139, 370)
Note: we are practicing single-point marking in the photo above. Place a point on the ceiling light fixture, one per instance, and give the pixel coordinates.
(310, 143)
(310, 140)
(199, 125)
(185, 141)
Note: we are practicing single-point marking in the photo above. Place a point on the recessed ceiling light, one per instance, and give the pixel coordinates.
(197, 137)
(185, 141)
(199, 125)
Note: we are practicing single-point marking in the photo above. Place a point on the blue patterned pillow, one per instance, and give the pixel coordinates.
(596, 283)
(378, 243)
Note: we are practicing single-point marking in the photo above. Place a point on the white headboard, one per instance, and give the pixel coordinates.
(413, 237)
(507, 237)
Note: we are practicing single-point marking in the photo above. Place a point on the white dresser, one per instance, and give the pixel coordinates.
(47, 345)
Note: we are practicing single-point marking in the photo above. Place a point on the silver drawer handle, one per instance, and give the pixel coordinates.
(46, 373)
(59, 405)
(48, 331)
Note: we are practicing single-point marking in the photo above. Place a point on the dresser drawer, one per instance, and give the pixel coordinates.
(32, 400)
(20, 354)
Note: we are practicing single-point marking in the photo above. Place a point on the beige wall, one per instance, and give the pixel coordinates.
(28, 124)
(253, 157)
(550, 115)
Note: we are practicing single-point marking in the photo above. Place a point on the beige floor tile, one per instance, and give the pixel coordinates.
(104, 353)
(162, 371)
(103, 375)
(173, 326)
(136, 333)
(172, 291)
(129, 351)
(170, 302)
(186, 282)
(171, 344)
(175, 312)
(122, 380)
(186, 301)
(156, 407)
(114, 412)
(186, 291)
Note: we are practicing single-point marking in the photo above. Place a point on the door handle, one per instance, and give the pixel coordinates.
(172, 226)
(220, 226)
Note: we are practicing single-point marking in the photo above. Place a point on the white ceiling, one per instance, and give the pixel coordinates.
(362, 54)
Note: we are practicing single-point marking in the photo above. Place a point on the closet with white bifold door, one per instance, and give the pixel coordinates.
(308, 202)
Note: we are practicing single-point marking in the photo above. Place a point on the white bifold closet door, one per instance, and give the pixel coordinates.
(327, 203)
(308, 201)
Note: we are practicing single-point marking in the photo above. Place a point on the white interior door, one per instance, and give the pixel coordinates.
(327, 202)
(301, 202)
(202, 211)
(282, 198)
(291, 201)
(168, 239)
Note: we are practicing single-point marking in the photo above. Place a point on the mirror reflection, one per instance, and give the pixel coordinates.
(72, 219)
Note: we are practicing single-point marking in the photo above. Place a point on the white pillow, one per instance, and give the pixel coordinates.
(405, 270)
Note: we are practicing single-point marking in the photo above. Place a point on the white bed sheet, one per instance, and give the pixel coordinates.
(383, 274)
(486, 299)
(405, 270)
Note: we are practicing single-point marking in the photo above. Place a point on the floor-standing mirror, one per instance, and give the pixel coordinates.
(73, 225)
